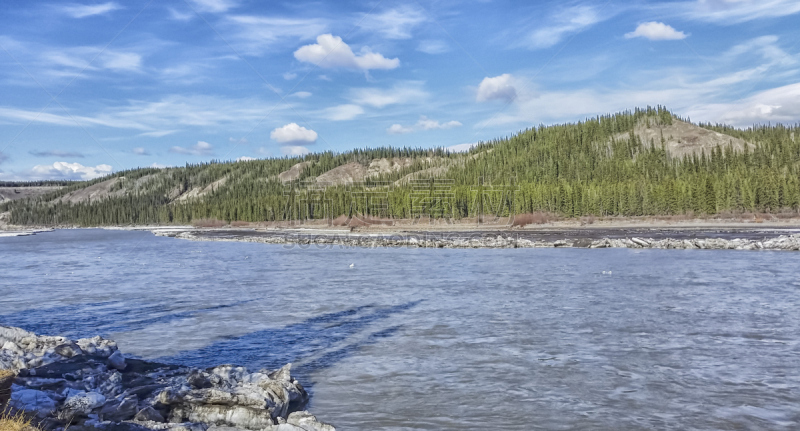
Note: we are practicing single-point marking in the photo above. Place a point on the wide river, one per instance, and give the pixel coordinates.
(511, 339)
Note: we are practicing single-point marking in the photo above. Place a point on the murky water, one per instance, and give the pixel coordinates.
(511, 339)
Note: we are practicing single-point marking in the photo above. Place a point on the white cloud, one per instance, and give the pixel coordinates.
(342, 112)
(460, 148)
(83, 11)
(656, 31)
(402, 93)
(397, 129)
(292, 133)
(235, 141)
(424, 123)
(202, 148)
(289, 76)
(394, 23)
(568, 21)
(736, 11)
(294, 150)
(213, 6)
(70, 171)
(331, 52)
(140, 151)
(301, 94)
(498, 88)
(433, 47)
(245, 159)
(255, 35)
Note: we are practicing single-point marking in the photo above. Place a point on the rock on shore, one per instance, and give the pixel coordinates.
(504, 240)
(89, 385)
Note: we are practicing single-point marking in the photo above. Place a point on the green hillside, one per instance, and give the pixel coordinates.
(602, 166)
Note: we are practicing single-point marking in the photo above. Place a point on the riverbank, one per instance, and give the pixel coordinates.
(88, 384)
(728, 238)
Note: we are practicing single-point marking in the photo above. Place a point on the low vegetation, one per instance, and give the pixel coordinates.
(600, 167)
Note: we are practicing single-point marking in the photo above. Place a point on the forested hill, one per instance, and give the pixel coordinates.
(644, 162)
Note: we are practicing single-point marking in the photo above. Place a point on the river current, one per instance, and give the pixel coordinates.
(510, 339)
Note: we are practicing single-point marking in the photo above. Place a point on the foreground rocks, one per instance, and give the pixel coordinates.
(88, 384)
(506, 240)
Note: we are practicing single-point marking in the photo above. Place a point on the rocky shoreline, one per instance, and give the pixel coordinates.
(498, 240)
(89, 385)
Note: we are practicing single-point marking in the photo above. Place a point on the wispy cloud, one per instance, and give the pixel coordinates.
(401, 93)
(294, 150)
(56, 153)
(433, 46)
(68, 171)
(255, 35)
(201, 148)
(394, 23)
(342, 112)
(565, 22)
(156, 117)
(777, 105)
(461, 148)
(157, 133)
(82, 11)
(140, 151)
(424, 123)
(331, 52)
(729, 12)
(213, 6)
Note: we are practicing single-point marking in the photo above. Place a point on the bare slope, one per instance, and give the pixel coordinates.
(14, 193)
(293, 173)
(683, 138)
(199, 192)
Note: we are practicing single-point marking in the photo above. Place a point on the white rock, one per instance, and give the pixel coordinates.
(116, 360)
(85, 402)
(32, 400)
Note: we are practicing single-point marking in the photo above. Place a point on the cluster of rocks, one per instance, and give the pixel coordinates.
(782, 242)
(89, 385)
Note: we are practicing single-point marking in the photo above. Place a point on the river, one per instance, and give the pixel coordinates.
(410, 338)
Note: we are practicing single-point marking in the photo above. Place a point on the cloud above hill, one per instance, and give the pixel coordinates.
(331, 52)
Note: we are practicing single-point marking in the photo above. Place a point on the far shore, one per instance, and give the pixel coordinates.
(389, 227)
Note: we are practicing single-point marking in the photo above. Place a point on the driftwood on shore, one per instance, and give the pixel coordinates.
(88, 384)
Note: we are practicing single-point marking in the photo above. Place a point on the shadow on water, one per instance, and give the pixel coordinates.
(102, 318)
(311, 345)
(314, 344)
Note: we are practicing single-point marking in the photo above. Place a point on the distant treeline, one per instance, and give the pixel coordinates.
(595, 167)
(41, 183)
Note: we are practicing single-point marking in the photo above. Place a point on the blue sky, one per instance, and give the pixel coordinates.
(88, 88)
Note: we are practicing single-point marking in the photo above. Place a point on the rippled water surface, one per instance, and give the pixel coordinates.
(442, 339)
